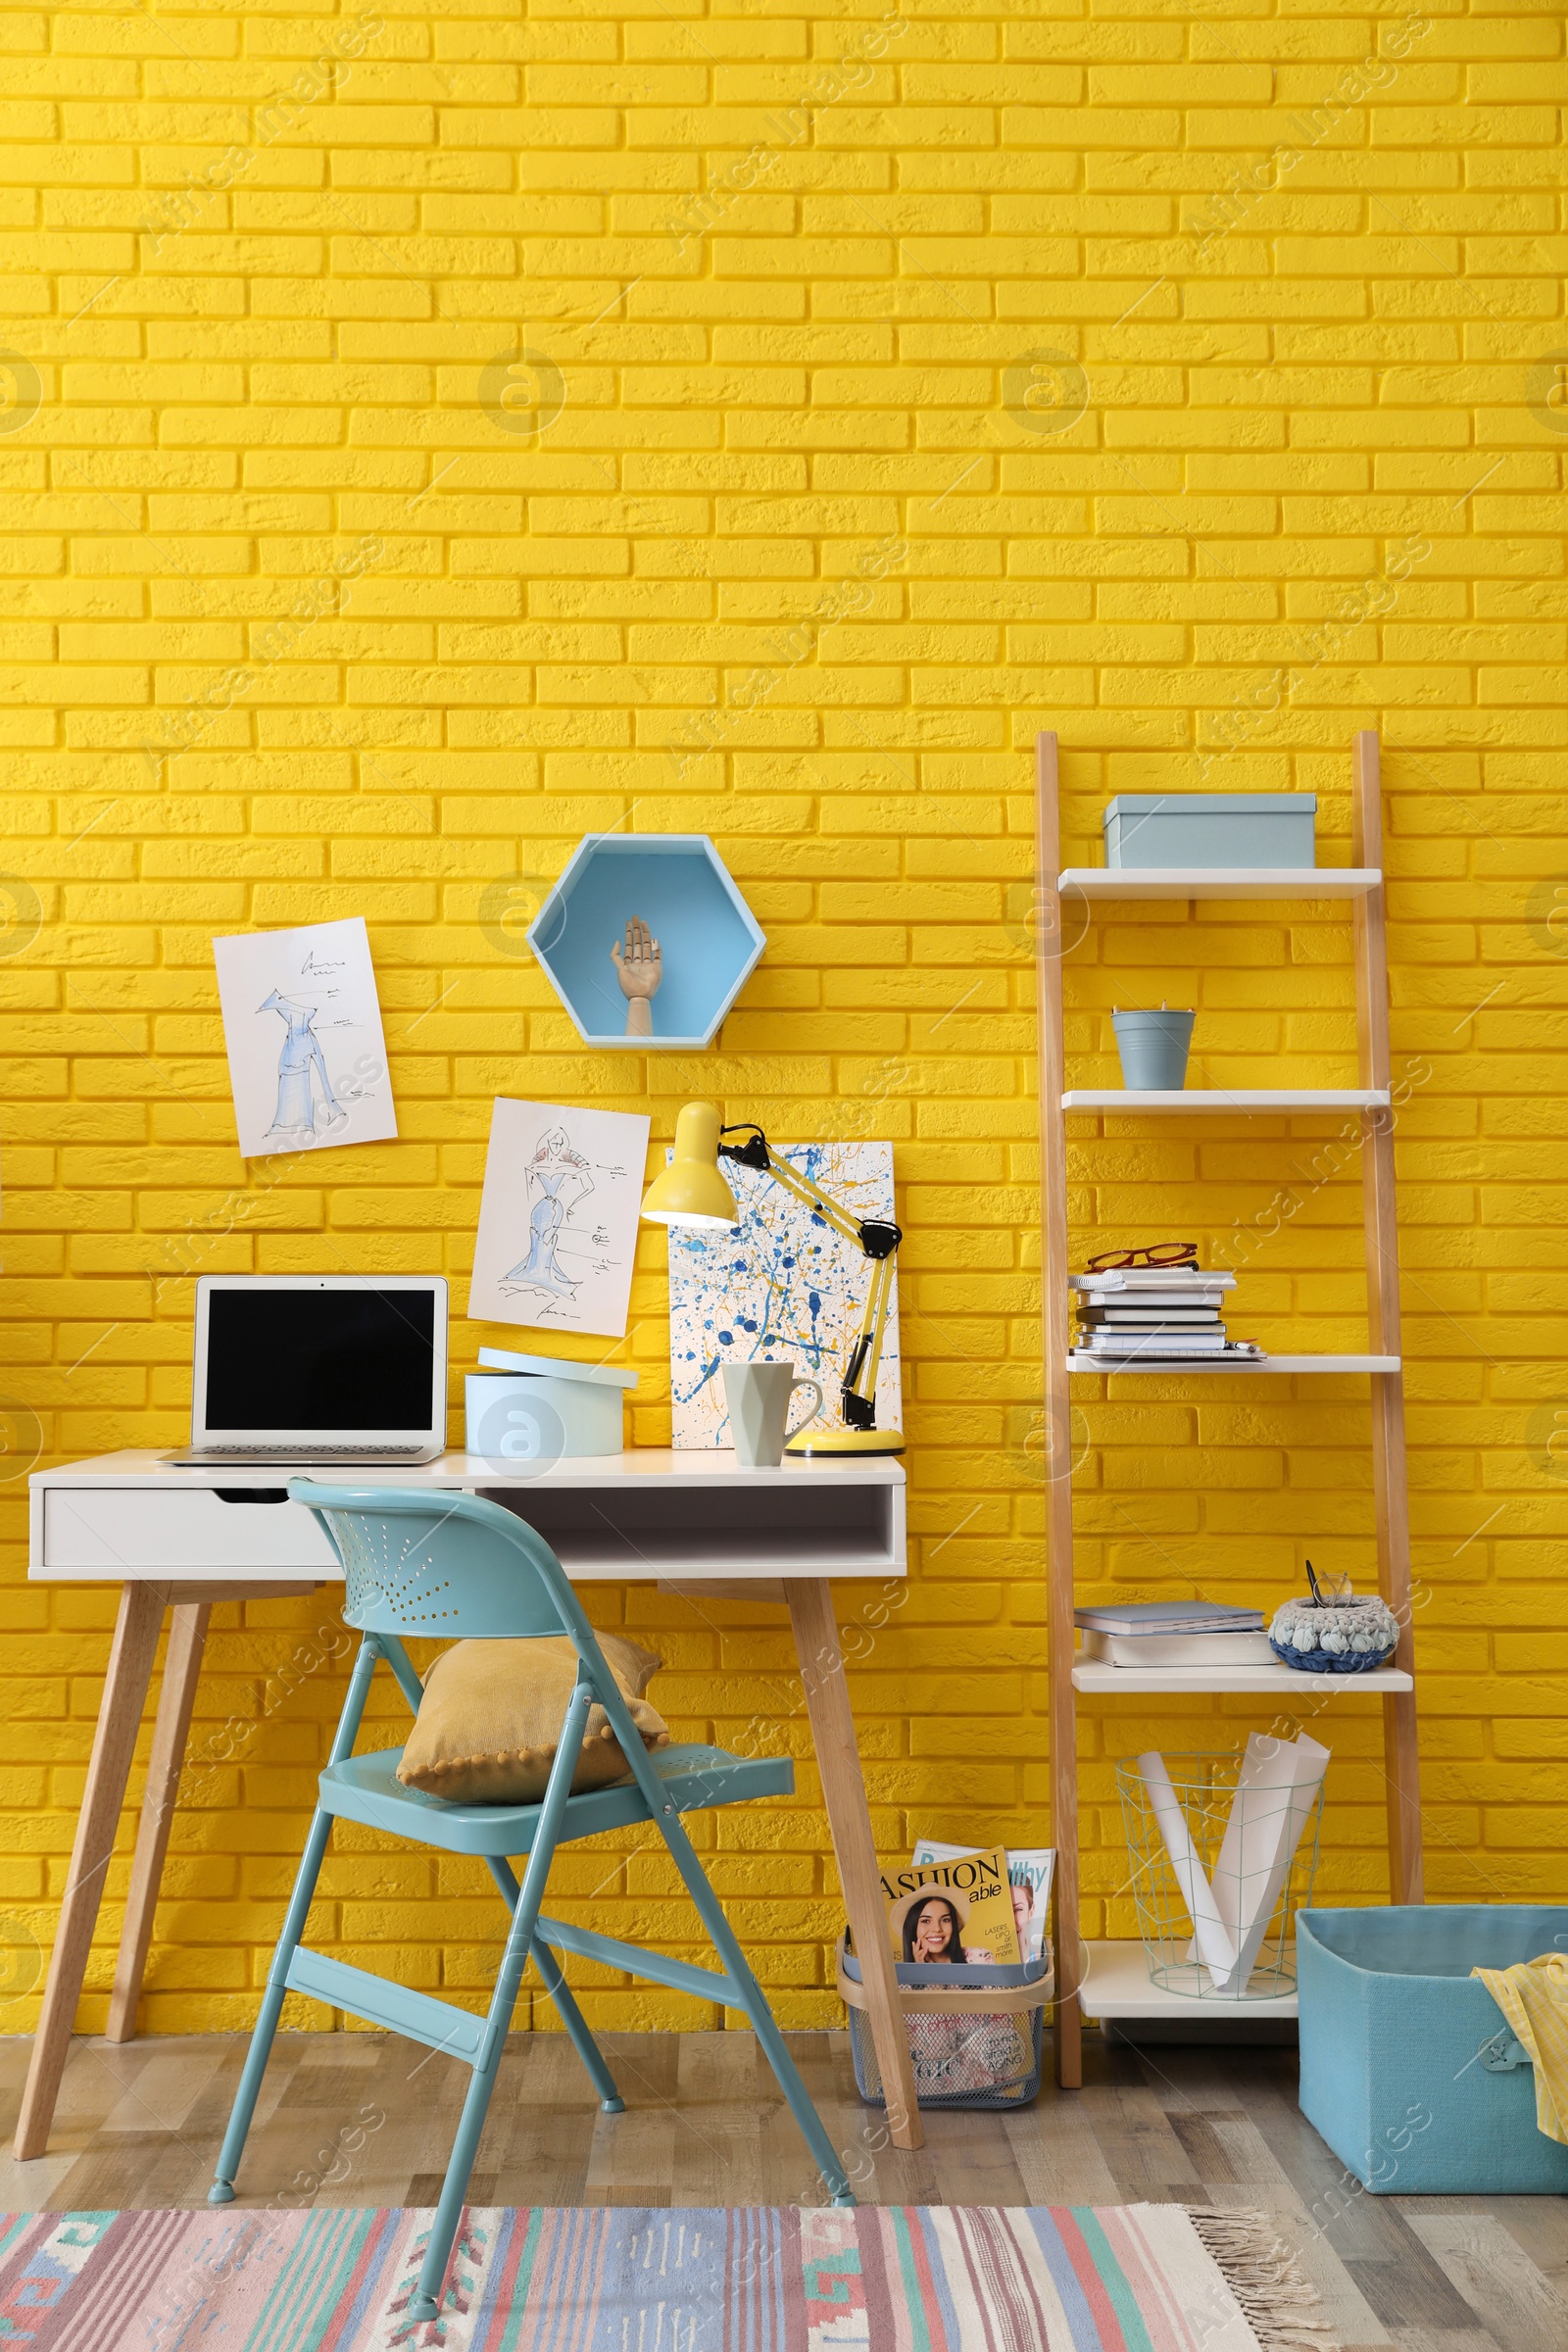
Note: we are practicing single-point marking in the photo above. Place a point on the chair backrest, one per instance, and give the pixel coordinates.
(449, 1566)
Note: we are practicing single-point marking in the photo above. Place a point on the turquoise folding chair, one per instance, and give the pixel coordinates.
(455, 1565)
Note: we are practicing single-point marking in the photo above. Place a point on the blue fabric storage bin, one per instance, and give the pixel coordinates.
(1392, 2028)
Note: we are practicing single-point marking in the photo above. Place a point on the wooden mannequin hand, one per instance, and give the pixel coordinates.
(639, 971)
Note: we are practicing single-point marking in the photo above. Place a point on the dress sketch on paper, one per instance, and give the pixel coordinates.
(302, 1023)
(296, 1115)
(558, 1177)
(780, 1285)
(558, 1219)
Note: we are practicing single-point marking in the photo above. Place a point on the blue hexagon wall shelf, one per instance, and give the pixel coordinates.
(708, 936)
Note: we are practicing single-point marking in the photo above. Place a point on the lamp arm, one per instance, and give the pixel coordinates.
(860, 1373)
(877, 1238)
(754, 1153)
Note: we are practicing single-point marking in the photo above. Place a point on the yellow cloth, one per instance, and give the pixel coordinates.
(1533, 1996)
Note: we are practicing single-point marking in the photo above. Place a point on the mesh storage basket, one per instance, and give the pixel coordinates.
(975, 2034)
(1222, 1820)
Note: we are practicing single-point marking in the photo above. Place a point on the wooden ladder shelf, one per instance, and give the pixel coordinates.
(1365, 884)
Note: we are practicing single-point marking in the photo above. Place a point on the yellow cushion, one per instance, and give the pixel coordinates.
(490, 1719)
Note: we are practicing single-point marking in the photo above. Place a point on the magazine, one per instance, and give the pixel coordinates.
(953, 1910)
(1029, 1869)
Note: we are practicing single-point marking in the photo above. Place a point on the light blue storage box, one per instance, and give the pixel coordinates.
(542, 1408)
(1409, 2069)
(1211, 828)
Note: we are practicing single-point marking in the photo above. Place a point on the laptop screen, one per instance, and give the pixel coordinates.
(329, 1362)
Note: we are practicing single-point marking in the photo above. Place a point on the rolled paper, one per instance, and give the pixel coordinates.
(1274, 1792)
(1215, 1945)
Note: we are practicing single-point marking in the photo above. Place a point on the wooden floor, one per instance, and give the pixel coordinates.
(365, 2118)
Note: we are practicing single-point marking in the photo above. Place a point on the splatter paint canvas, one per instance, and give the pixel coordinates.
(558, 1217)
(778, 1285)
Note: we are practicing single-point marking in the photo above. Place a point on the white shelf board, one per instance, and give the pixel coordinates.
(1275, 1681)
(1077, 1361)
(1116, 1985)
(1234, 1102)
(1220, 881)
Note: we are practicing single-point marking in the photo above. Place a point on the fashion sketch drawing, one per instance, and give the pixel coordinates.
(296, 1114)
(558, 1219)
(558, 1178)
(302, 1024)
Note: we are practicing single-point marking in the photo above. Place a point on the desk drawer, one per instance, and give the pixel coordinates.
(113, 1531)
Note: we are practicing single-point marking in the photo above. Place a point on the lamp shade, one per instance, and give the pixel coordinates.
(691, 1191)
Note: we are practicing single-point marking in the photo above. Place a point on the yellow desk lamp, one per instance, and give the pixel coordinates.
(693, 1191)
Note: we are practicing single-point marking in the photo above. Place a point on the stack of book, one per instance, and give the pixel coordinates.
(1155, 1314)
(1173, 1632)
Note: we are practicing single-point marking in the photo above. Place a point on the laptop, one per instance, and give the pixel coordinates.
(303, 1368)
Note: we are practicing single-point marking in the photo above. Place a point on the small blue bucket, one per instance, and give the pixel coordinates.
(1153, 1048)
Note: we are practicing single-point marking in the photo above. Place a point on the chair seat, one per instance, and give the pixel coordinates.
(366, 1788)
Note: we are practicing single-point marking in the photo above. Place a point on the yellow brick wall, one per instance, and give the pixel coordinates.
(1192, 384)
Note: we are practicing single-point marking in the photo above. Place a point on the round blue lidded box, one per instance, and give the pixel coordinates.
(542, 1408)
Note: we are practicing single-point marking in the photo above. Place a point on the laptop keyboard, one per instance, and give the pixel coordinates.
(302, 1454)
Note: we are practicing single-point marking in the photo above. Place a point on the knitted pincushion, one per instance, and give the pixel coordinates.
(1346, 1637)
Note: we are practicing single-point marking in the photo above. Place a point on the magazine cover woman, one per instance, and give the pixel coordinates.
(933, 1932)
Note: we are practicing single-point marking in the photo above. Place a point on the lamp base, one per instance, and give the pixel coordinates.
(831, 1443)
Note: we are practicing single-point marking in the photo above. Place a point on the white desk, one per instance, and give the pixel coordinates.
(183, 1539)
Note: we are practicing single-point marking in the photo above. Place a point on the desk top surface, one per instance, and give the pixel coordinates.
(656, 1466)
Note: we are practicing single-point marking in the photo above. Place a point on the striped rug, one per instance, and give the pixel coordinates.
(927, 2279)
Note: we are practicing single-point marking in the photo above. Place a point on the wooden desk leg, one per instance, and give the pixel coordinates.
(183, 1664)
(838, 1759)
(130, 1666)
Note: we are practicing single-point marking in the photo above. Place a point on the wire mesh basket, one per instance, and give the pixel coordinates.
(971, 2043)
(1219, 1869)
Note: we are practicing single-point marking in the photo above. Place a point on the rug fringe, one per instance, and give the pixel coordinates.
(1266, 2279)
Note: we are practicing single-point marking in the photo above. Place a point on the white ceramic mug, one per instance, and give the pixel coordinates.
(758, 1399)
